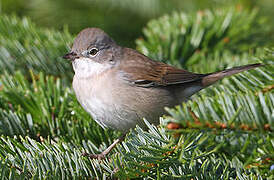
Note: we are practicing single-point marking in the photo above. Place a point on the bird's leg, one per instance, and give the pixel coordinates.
(103, 154)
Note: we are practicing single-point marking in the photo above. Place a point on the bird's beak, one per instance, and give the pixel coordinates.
(70, 56)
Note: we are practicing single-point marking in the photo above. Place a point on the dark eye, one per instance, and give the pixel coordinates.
(93, 51)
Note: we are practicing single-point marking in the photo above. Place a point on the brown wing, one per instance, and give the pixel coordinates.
(142, 71)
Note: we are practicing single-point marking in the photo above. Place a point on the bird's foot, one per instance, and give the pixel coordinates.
(100, 156)
(103, 154)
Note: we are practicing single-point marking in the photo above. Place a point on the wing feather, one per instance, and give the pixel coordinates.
(142, 71)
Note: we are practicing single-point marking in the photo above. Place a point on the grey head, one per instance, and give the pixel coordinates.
(88, 43)
(92, 51)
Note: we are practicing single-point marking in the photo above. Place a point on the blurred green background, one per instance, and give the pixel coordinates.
(122, 19)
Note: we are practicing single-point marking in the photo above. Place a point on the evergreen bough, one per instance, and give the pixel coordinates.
(224, 132)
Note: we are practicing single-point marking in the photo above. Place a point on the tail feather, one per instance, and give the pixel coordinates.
(213, 77)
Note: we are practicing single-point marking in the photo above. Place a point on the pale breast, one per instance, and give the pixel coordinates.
(113, 103)
(102, 98)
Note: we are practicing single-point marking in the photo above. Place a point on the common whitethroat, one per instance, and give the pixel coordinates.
(119, 86)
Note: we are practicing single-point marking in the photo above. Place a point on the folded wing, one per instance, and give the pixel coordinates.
(142, 71)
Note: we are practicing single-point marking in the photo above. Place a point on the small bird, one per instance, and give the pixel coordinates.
(119, 86)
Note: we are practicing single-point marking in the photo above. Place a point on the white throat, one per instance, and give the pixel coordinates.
(85, 67)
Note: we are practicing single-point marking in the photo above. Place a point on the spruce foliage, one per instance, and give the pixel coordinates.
(224, 132)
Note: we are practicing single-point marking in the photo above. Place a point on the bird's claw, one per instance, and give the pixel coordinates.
(100, 156)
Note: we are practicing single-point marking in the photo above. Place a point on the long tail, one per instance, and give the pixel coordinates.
(213, 77)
